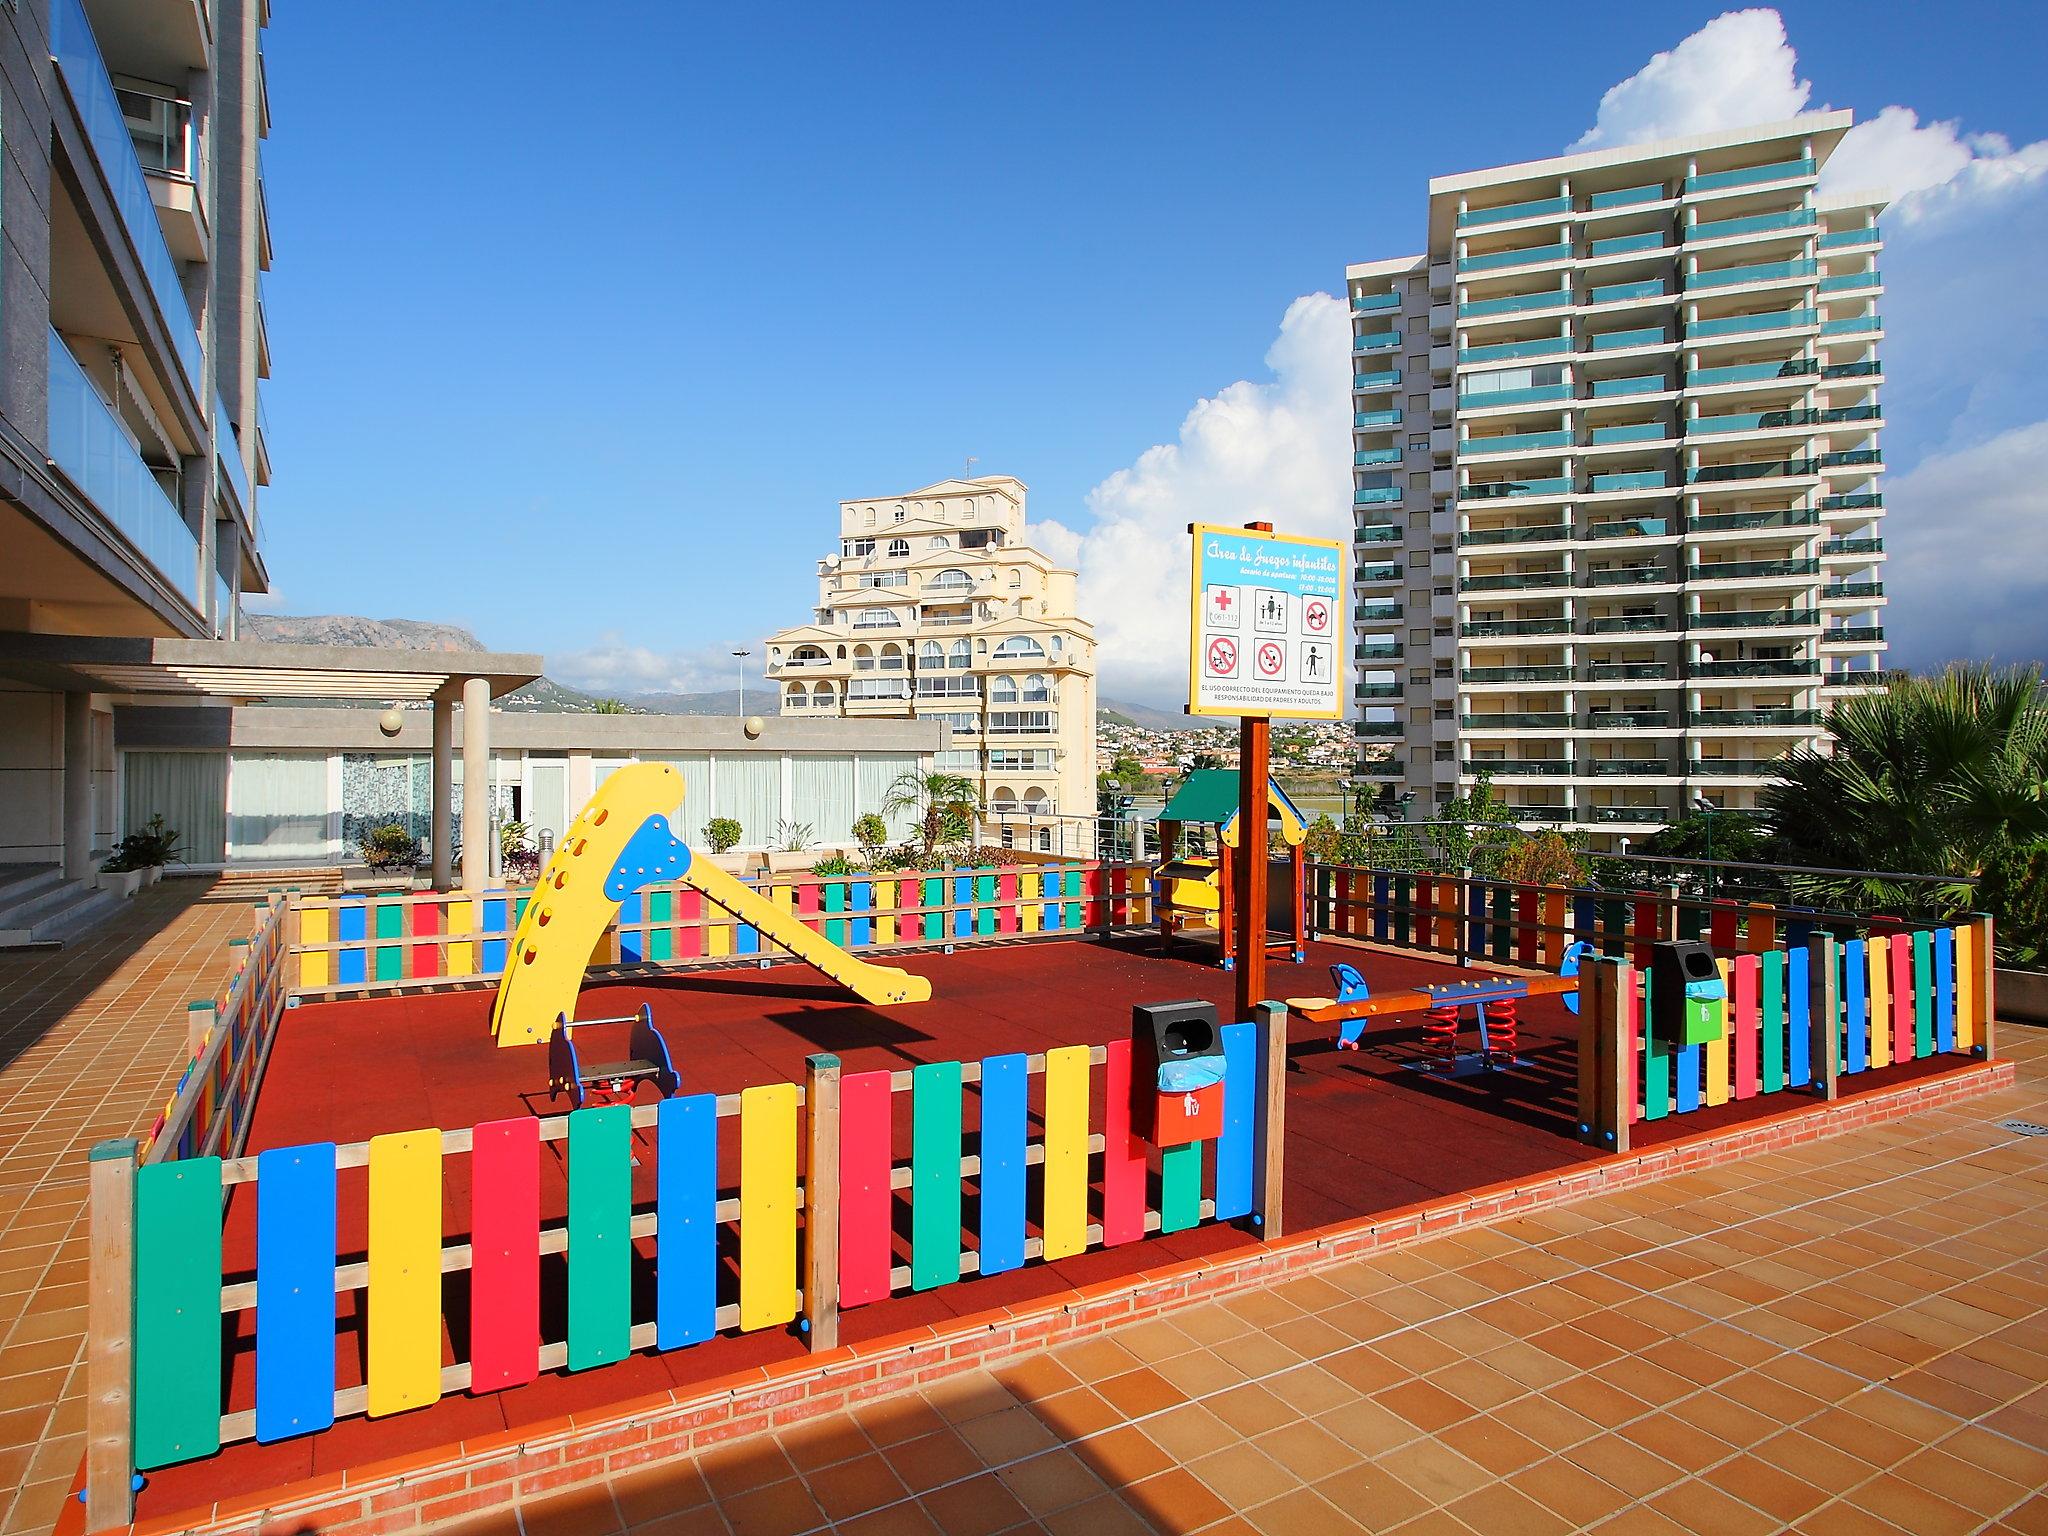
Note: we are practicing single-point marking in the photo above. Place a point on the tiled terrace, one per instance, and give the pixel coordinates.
(1849, 1336)
(92, 1037)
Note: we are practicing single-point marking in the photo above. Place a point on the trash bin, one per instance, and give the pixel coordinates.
(1176, 1073)
(1688, 1000)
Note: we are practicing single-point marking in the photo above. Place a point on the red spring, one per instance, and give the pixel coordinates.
(1503, 1029)
(1440, 1029)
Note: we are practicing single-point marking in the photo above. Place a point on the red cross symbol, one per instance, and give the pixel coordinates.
(1223, 600)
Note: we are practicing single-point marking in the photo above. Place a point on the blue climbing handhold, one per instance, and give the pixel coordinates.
(652, 856)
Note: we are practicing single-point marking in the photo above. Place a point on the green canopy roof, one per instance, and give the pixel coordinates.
(1210, 795)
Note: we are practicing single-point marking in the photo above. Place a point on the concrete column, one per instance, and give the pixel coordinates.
(476, 783)
(78, 828)
(444, 790)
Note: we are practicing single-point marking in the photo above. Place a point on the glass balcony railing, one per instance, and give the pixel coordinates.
(1735, 767)
(77, 54)
(1374, 303)
(1637, 384)
(1835, 239)
(1507, 767)
(1633, 528)
(1546, 720)
(1516, 442)
(1479, 400)
(1493, 490)
(1851, 458)
(1867, 368)
(1497, 260)
(1742, 325)
(1750, 421)
(1515, 304)
(1369, 613)
(1769, 666)
(1625, 245)
(1752, 718)
(1838, 547)
(1849, 282)
(1509, 211)
(1629, 671)
(1755, 224)
(1647, 336)
(1375, 573)
(1386, 378)
(1632, 624)
(1515, 675)
(1731, 522)
(1751, 373)
(1376, 495)
(1852, 634)
(1852, 413)
(1864, 501)
(1730, 570)
(1631, 576)
(1547, 533)
(87, 442)
(1777, 618)
(1517, 581)
(1389, 650)
(1633, 432)
(1852, 325)
(1379, 728)
(1633, 720)
(1634, 815)
(1363, 457)
(228, 449)
(1629, 480)
(1621, 293)
(1626, 197)
(1782, 170)
(1499, 629)
(1378, 341)
(1762, 469)
(1370, 419)
(1627, 767)
(1545, 814)
(225, 619)
(1378, 533)
(1754, 272)
(1853, 677)
(1377, 691)
(1853, 590)
(1541, 346)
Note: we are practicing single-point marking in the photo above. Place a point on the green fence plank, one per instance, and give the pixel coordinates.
(1692, 923)
(1404, 892)
(600, 1236)
(1614, 927)
(1073, 887)
(935, 923)
(177, 1311)
(1771, 986)
(1503, 937)
(934, 1175)
(1180, 1187)
(661, 908)
(390, 958)
(1923, 992)
(835, 901)
(1656, 1066)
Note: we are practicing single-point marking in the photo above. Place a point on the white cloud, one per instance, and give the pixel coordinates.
(1277, 451)
(1737, 69)
(272, 601)
(1966, 538)
(615, 668)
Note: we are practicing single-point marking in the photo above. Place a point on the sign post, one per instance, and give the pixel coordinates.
(1263, 646)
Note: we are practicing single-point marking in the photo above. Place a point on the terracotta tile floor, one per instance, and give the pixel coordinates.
(1848, 1337)
(92, 1038)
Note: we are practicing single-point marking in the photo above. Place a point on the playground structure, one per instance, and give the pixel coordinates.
(648, 1060)
(620, 843)
(1194, 889)
(1494, 1003)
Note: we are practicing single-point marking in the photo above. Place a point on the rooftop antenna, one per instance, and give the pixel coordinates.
(971, 462)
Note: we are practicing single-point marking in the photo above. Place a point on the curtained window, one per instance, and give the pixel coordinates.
(822, 794)
(749, 790)
(277, 806)
(189, 790)
(877, 773)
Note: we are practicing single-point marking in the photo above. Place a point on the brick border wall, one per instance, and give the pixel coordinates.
(452, 1482)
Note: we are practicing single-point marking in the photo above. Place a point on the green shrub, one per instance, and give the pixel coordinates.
(389, 846)
(871, 832)
(834, 864)
(723, 833)
(152, 845)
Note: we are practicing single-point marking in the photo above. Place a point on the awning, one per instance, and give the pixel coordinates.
(239, 670)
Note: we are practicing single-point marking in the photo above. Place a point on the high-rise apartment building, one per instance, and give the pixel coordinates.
(130, 421)
(936, 605)
(1615, 449)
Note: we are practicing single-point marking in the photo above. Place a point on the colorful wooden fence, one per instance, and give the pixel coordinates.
(1891, 999)
(1012, 1160)
(1476, 920)
(230, 1036)
(357, 944)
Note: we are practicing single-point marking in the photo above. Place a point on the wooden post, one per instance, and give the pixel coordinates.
(1604, 988)
(1823, 1022)
(1270, 1150)
(110, 1337)
(1254, 743)
(1984, 953)
(1670, 926)
(821, 1203)
(1462, 934)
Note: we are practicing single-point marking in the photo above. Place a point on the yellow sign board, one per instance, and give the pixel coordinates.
(1267, 625)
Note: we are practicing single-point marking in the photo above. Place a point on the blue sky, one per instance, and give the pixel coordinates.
(585, 318)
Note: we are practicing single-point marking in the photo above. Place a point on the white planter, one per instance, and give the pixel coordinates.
(125, 882)
(151, 874)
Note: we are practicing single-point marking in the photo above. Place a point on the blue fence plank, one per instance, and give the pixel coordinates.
(1240, 1110)
(686, 1220)
(350, 917)
(862, 899)
(295, 1237)
(1798, 1017)
(1003, 1126)
(1944, 989)
(493, 920)
(632, 946)
(1382, 908)
(1855, 1006)
(1049, 887)
(1688, 1060)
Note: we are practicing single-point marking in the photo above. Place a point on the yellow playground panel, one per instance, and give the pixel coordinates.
(620, 843)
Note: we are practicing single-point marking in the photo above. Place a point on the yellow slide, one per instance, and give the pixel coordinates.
(620, 843)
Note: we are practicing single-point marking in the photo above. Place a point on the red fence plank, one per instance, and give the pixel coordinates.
(504, 1266)
(864, 1198)
(1123, 1173)
(1746, 1023)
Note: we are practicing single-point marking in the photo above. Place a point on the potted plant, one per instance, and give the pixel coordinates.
(518, 859)
(723, 834)
(389, 849)
(149, 849)
(118, 875)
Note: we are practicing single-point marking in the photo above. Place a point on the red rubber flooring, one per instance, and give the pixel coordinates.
(1364, 1134)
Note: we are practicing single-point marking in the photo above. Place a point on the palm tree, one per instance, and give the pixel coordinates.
(1943, 775)
(944, 802)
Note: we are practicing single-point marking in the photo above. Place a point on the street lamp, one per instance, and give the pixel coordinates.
(740, 655)
(1708, 809)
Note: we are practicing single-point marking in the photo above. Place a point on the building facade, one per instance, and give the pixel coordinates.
(936, 606)
(130, 411)
(1615, 442)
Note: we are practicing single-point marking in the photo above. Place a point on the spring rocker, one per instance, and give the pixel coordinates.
(618, 844)
(1192, 890)
(612, 1082)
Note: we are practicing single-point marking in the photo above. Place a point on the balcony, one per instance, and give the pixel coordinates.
(1636, 384)
(1368, 574)
(1547, 721)
(1853, 677)
(1633, 815)
(1378, 533)
(1780, 618)
(1852, 458)
(1371, 419)
(1376, 496)
(1836, 548)
(1632, 432)
(1516, 442)
(1499, 629)
(1759, 469)
(1505, 212)
(1378, 341)
(1840, 590)
(1377, 691)
(1782, 170)
(1768, 666)
(1518, 581)
(1743, 325)
(1751, 373)
(1852, 325)
(1628, 671)
(1627, 197)
(1625, 767)
(1755, 272)
(1632, 624)
(1869, 368)
(1750, 421)
(1374, 303)
(1548, 533)
(1369, 613)
(1515, 675)
(1634, 720)
(1849, 282)
(1379, 728)
(1754, 224)
(1835, 239)
(1546, 814)
(1388, 379)
(1495, 490)
(1633, 528)
(1629, 480)
(1862, 502)
(1486, 399)
(1389, 650)
(1853, 634)
(1735, 767)
(88, 444)
(1516, 303)
(1622, 293)
(1631, 576)
(1508, 767)
(1734, 570)
(1542, 346)
(85, 76)
(1494, 262)
(1753, 719)
(1627, 245)
(1735, 522)
(1365, 457)
(1610, 341)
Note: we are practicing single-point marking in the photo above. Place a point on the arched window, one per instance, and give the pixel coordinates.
(808, 656)
(936, 541)
(1020, 648)
(1004, 799)
(1002, 690)
(949, 580)
(821, 695)
(961, 656)
(898, 548)
(1016, 580)
(899, 513)
(891, 659)
(931, 654)
(1035, 689)
(796, 697)
(1034, 799)
(863, 658)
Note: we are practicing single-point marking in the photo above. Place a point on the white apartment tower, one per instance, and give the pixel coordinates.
(934, 605)
(1615, 448)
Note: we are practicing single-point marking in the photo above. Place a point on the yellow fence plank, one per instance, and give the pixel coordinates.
(768, 1284)
(462, 957)
(1877, 952)
(1066, 1151)
(405, 1271)
(316, 967)
(1967, 968)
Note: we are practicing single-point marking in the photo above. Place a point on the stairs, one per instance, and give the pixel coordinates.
(38, 906)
